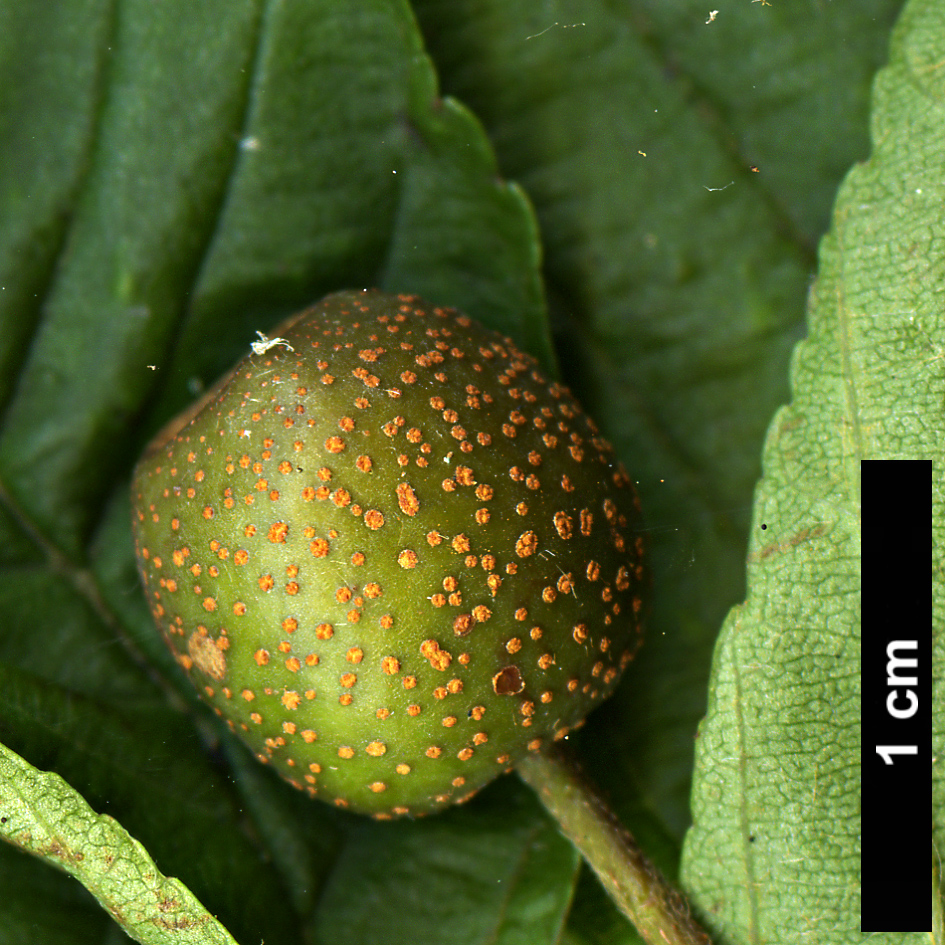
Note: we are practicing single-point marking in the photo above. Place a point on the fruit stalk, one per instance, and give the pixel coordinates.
(640, 891)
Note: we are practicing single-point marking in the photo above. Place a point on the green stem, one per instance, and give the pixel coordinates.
(640, 891)
(937, 934)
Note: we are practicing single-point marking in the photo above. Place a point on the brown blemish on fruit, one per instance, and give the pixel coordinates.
(206, 655)
(508, 681)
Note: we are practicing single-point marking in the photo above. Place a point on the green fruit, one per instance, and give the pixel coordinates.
(390, 554)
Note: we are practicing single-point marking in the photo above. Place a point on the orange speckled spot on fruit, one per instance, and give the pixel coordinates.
(348, 680)
(291, 700)
(434, 751)
(266, 582)
(407, 559)
(319, 547)
(209, 604)
(526, 544)
(324, 631)
(373, 519)
(580, 633)
(407, 498)
(439, 659)
(378, 787)
(563, 524)
(376, 749)
(355, 655)
(390, 665)
(449, 721)
(261, 657)
(345, 751)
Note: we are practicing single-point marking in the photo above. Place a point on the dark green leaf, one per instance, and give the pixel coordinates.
(471, 876)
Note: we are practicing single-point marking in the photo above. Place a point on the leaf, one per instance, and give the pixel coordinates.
(776, 798)
(41, 814)
(472, 875)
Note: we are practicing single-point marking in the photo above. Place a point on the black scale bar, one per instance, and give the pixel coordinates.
(896, 680)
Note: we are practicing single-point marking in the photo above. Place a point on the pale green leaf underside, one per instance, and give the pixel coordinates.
(776, 797)
(41, 814)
